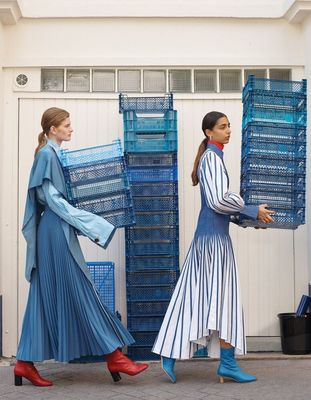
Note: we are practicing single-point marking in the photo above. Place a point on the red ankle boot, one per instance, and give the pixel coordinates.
(117, 362)
(26, 369)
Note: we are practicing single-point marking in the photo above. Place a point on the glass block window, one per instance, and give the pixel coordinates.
(129, 80)
(258, 73)
(180, 80)
(103, 81)
(52, 80)
(230, 80)
(283, 74)
(78, 80)
(205, 81)
(154, 81)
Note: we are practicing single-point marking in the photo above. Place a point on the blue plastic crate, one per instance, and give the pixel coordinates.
(284, 201)
(161, 142)
(154, 174)
(154, 189)
(266, 114)
(294, 88)
(284, 151)
(151, 159)
(168, 203)
(152, 234)
(120, 218)
(140, 353)
(269, 166)
(146, 308)
(279, 100)
(144, 248)
(145, 104)
(118, 201)
(91, 155)
(144, 323)
(274, 133)
(144, 339)
(134, 122)
(150, 293)
(158, 218)
(143, 263)
(284, 219)
(152, 278)
(273, 183)
(102, 273)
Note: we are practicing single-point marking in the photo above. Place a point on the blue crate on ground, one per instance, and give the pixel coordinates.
(281, 201)
(139, 353)
(144, 323)
(273, 183)
(274, 133)
(142, 248)
(267, 114)
(145, 104)
(167, 203)
(284, 219)
(150, 293)
(154, 174)
(152, 278)
(284, 151)
(294, 88)
(152, 234)
(279, 100)
(142, 263)
(274, 167)
(135, 123)
(102, 273)
(151, 159)
(144, 338)
(154, 188)
(144, 308)
(157, 218)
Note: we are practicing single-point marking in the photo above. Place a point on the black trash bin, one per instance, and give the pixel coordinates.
(295, 333)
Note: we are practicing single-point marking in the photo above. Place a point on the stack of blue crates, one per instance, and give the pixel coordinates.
(152, 245)
(273, 165)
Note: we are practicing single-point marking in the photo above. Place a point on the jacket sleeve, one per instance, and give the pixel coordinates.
(214, 184)
(93, 226)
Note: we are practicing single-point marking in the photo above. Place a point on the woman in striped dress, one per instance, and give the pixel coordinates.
(205, 309)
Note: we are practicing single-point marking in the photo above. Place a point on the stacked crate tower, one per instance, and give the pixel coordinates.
(273, 163)
(152, 245)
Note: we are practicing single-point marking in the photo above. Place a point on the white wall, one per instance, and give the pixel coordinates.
(174, 42)
(1, 143)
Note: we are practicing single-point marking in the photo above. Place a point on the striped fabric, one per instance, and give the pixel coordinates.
(206, 303)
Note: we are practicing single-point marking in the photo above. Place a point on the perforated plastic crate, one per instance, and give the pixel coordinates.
(164, 218)
(120, 218)
(139, 353)
(152, 278)
(145, 104)
(266, 114)
(274, 133)
(142, 248)
(293, 88)
(105, 204)
(159, 174)
(142, 263)
(102, 273)
(154, 189)
(287, 201)
(273, 183)
(152, 234)
(144, 308)
(280, 100)
(150, 293)
(144, 323)
(284, 151)
(151, 159)
(160, 142)
(144, 338)
(169, 203)
(134, 122)
(284, 219)
(269, 166)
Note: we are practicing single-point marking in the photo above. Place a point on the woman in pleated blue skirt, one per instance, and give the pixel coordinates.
(206, 309)
(64, 318)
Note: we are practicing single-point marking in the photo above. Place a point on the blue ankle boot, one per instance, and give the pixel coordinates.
(229, 368)
(168, 367)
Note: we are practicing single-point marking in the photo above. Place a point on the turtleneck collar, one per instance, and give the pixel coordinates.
(219, 145)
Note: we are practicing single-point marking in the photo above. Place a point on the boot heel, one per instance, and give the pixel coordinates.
(116, 376)
(221, 379)
(18, 380)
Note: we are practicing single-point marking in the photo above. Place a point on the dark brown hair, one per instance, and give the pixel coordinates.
(208, 122)
(51, 117)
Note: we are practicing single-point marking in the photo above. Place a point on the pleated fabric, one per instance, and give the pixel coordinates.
(65, 318)
(206, 303)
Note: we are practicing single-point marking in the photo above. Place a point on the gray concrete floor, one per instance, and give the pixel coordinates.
(279, 377)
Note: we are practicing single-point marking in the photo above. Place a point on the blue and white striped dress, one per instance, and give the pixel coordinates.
(206, 303)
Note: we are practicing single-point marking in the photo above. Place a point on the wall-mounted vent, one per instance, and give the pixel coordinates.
(21, 80)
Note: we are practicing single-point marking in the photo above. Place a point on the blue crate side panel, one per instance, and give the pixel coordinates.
(138, 353)
(145, 104)
(103, 277)
(152, 278)
(151, 159)
(143, 263)
(294, 88)
(135, 123)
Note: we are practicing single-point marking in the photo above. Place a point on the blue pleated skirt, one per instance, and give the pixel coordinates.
(65, 318)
